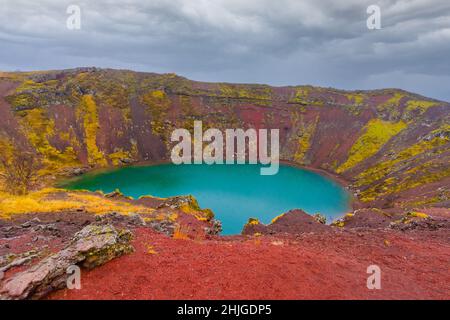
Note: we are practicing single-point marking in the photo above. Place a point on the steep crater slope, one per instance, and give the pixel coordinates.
(392, 146)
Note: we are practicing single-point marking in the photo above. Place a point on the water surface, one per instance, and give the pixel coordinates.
(233, 192)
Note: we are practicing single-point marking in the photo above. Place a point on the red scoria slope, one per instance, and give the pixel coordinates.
(330, 265)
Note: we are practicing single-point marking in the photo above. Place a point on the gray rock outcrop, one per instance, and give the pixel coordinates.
(92, 246)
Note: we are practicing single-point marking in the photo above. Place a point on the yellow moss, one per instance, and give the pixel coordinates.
(161, 216)
(253, 221)
(13, 205)
(338, 223)
(158, 103)
(88, 111)
(173, 217)
(38, 128)
(56, 200)
(302, 95)
(381, 169)
(226, 90)
(31, 85)
(28, 85)
(430, 173)
(355, 98)
(392, 104)
(151, 250)
(119, 155)
(181, 232)
(304, 141)
(65, 136)
(194, 210)
(375, 134)
(245, 92)
(187, 208)
(276, 218)
(395, 100)
(420, 105)
(158, 94)
(416, 214)
(424, 201)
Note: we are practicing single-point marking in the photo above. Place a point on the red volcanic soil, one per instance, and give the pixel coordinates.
(329, 265)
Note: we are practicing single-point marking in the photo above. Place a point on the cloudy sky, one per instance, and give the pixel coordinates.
(279, 42)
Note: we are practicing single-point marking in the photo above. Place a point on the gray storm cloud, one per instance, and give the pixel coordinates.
(319, 42)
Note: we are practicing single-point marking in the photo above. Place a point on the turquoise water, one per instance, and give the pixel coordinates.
(234, 192)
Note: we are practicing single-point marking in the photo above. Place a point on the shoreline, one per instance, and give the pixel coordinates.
(62, 182)
(354, 201)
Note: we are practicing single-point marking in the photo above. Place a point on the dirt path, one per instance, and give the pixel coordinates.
(311, 266)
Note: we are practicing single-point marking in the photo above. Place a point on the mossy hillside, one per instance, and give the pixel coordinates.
(355, 98)
(116, 87)
(261, 92)
(392, 107)
(37, 90)
(418, 107)
(436, 143)
(157, 103)
(88, 114)
(304, 96)
(426, 173)
(305, 134)
(375, 134)
(38, 127)
(117, 157)
(171, 101)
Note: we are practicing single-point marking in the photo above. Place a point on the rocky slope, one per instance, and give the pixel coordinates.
(90, 247)
(392, 146)
(47, 232)
(321, 265)
(295, 257)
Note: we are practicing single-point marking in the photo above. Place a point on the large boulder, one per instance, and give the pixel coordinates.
(94, 245)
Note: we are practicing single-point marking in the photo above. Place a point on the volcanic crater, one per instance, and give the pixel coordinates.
(389, 147)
